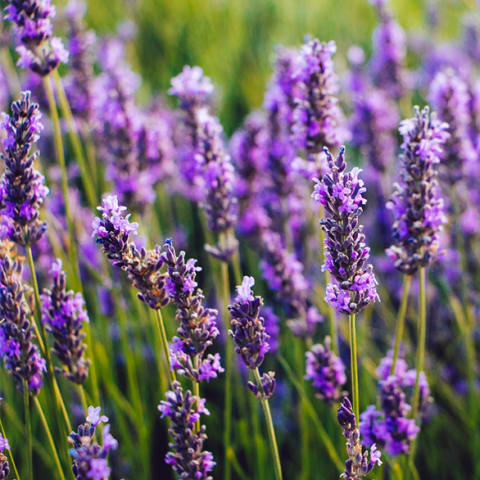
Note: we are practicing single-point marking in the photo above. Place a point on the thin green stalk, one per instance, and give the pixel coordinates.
(163, 336)
(354, 364)
(196, 390)
(227, 412)
(9, 451)
(87, 176)
(270, 428)
(28, 430)
(407, 280)
(49, 438)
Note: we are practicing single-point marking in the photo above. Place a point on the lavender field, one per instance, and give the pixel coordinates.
(239, 239)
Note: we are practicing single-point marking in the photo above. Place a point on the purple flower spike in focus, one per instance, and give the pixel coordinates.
(38, 50)
(326, 371)
(390, 50)
(4, 467)
(88, 457)
(17, 348)
(346, 254)
(317, 119)
(416, 203)
(360, 463)
(64, 314)
(186, 456)
(22, 188)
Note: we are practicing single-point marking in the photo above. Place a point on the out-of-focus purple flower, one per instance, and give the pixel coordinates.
(317, 119)
(272, 327)
(197, 324)
(187, 455)
(416, 202)
(64, 314)
(17, 348)
(450, 98)
(471, 36)
(390, 50)
(360, 463)
(88, 457)
(346, 254)
(326, 371)
(38, 50)
(22, 188)
(4, 466)
(191, 87)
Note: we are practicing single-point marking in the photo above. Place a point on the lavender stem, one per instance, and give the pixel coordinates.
(270, 428)
(163, 336)
(354, 363)
(407, 279)
(10, 454)
(28, 429)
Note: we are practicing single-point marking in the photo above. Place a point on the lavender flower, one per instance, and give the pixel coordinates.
(248, 329)
(450, 97)
(143, 268)
(186, 455)
(416, 202)
(346, 253)
(198, 325)
(64, 314)
(267, 388)
(38, 50)
(326, 371)
(22, 188)
(4, 467)
(272, 327)
(360, 463)
(390, 49)
(89, 458)
(318, 119)
(20, 354)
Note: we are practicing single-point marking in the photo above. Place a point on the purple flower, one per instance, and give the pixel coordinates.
(38, 50)
(416, 202)
(267, 388)
(317, 118)
(186, 456)
(360, 463)
(248, 329)
(346, 254)
(22, 188)
(20, 355)
(191, 87)
(88, 457)
(272, 327)
(64, 313)
(326, 371)
(4, 466)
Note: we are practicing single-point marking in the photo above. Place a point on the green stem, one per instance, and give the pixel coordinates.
(196, 390)
(163, 336)
(354, 364)
(407, 279)
(28, 430)
(87, 177)
(10, 454)
(270, 428)
(49, 438)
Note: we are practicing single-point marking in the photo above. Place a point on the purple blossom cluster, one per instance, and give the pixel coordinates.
(416, 203)
(4, 466)
(346, 254)
(317, 119)
(38, 50)
(326, 371)
(64, 314)
(90, 460)
(390, 427)
(186, 456)
(360, 463)
(19, 352)
(22, 188)
(197, 324)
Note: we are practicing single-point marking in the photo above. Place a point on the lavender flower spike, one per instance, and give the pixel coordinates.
(20, 353)
(89, 458)
(4, 467)
(326, 371)
(186, 455)
(64, 313)
(416, 202)
(22, 188)
(346, 254)
(38, 50)
(360, 463)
